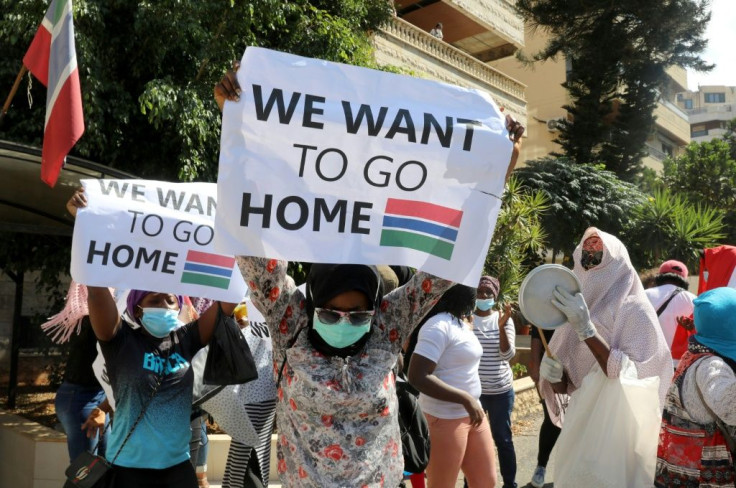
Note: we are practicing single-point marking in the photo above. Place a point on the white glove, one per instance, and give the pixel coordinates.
(551, 369)
(576, 310)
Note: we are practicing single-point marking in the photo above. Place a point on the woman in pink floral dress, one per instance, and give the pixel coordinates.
(337, 411)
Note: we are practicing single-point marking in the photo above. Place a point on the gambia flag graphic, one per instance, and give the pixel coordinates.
(203, 268)
(52, 59)
(421, 226)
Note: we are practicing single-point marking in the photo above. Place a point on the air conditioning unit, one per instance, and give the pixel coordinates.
(554, 125)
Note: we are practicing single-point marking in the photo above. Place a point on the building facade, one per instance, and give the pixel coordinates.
(709, 109)
(546, 97)
(474, 33)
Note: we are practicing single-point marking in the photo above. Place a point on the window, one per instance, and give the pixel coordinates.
(667, 149)
(698, 130)
(679, 97)
(715, 97)
(688, 104)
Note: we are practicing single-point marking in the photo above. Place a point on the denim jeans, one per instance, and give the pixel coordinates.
(73, 405)
(499, 409)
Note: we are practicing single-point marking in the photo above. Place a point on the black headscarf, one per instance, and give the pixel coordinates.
(326, 281)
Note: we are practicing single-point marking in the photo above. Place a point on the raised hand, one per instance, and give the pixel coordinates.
(576, 311)
(228, 88)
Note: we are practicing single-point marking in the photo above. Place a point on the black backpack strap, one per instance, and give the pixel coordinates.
(283, 363)
(667, 302)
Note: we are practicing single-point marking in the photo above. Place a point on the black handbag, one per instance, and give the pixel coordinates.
(92, 471)
(414, 430)
(229, 360)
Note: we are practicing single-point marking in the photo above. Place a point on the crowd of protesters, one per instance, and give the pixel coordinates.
(327, 364)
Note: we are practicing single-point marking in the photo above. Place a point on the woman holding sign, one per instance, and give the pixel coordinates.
(149, 370)
(335, 349)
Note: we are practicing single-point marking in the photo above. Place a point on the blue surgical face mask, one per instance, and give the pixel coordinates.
(341, 334)
(484, 304)
(159, 322)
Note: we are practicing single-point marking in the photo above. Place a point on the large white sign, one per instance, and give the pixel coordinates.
(153, 235)
(325, 162)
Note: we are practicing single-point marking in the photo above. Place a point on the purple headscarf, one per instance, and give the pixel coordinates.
(491, 283)
(135, 297)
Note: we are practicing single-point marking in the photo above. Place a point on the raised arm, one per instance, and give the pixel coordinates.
(407, 305)
(103, 312)
(275, 295)
(208, 320)
(516, 130)
(507, 334)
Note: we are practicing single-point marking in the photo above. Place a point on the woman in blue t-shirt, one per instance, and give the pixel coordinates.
(149, 368)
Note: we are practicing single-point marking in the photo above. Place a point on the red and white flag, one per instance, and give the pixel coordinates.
(53, 60)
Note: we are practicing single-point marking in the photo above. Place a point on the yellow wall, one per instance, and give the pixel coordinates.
(544, 95)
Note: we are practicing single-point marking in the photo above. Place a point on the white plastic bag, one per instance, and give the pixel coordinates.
(224, 404)
(610, 434)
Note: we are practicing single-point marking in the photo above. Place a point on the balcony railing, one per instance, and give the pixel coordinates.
(459, 60)
(656, 153)
(705, 110)
(674, 108)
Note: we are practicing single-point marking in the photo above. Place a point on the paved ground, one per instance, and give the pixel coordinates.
(525, 443)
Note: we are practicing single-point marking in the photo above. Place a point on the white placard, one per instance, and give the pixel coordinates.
(153, 235)
(325, 162)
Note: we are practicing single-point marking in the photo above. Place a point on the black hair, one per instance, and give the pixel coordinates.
(458, 301)
(671, 279)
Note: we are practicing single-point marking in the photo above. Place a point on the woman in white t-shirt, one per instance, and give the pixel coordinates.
(444, 368)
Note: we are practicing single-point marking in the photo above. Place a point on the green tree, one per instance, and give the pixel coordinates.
(705, 174)
(147, 71)
(579, 196)
(667, 226)
(617, 53)
(730, 137)
(517, 238)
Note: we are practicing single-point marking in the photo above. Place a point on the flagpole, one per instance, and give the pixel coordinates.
(18, 78)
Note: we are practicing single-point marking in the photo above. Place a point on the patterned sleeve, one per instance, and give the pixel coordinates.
(511, 335)
(406, 306)
(275, 295)
(718, 385)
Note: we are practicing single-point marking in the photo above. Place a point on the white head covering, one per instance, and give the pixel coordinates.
(622, 315)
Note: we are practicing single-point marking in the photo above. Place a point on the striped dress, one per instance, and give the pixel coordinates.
(494, 370)
(261, 416)
(259, 398)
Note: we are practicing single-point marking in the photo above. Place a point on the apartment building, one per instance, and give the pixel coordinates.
(475, 32)
(709, 110)
(546, 97)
